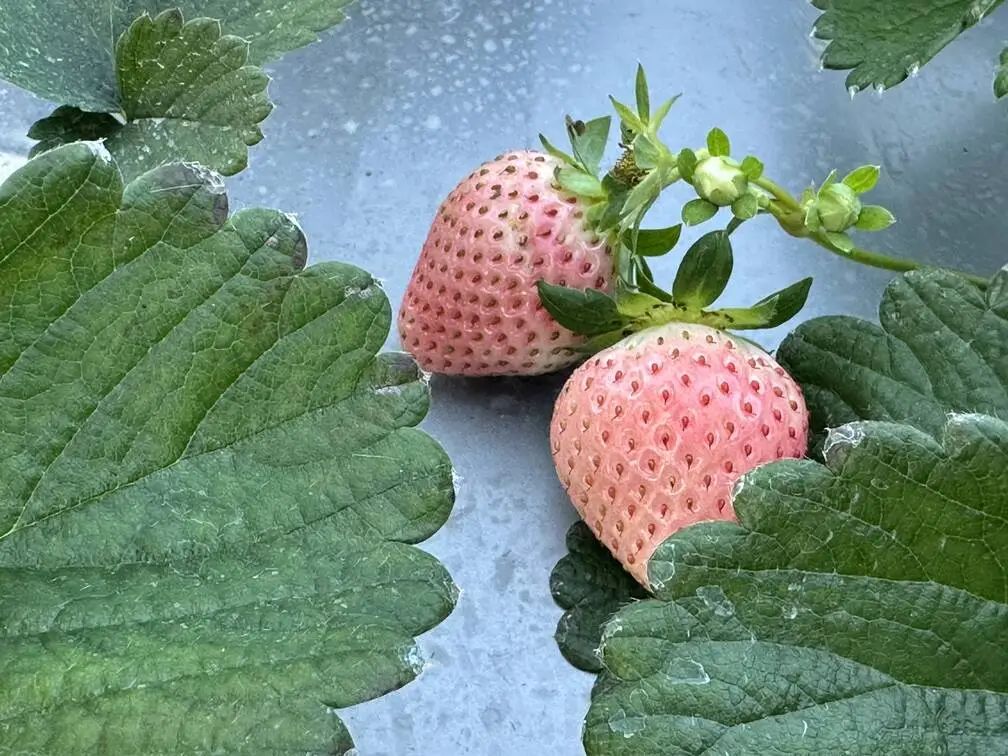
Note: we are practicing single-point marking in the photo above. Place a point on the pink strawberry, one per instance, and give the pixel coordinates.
(650, 435)
(471, 307)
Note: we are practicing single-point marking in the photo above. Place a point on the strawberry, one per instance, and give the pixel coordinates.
(471, 307)
(650, 435)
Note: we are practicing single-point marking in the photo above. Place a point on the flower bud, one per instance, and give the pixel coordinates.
(718, 181)
(838, 207)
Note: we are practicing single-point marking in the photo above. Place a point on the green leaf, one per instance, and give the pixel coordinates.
(771, 311)
(717, 143)
(745, 207)
(641, 197)
(643, 97)
(556, 151)
(646, 153)
(704, 271)
(578, 182)
(588, 312)
(590, 586)
(940, 348)
(698, 211)
(66, 52)
(862, 179)
(857, 606)
(185, 93)
(589, 141)
(882, 43)
(661, 113)
(68, 124)
(657, 241)
(686, 162)
(1001, 75)
(752, 167)
(208, 477)
(839, 240)
(874, 218)
(627, 116)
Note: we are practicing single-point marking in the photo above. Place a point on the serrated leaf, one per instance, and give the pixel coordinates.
(578, 182)
(883, 43)
(208, 477)
(940, 349)
(857, 606)
(204, 106)
(704, 271)
(589, 141)
(587, 587)
(686, 162)
(655, 242)
(717, 143)
(66, 52)
(698, 211)
(874, 218)
(752, 167)
(1001, 75)
(745, 207)
(643, 96)
(862, 179)
(588, 312)
(771, 311)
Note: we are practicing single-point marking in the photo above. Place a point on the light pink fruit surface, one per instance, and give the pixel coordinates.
(650, 435)
(471, 307)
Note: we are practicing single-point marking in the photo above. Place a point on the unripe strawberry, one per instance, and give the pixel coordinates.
(471, 307)
(650, 435)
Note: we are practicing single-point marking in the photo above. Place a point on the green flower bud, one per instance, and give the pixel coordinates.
(837, 207)
(718, 181)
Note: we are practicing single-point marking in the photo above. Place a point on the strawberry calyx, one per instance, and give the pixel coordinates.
(619, 201)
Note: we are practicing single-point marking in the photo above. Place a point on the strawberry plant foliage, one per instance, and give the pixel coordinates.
(882, 43)
(209, 480)
(830, 603)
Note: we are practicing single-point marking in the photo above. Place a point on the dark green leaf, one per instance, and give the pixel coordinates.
(686, 162)
(185, 93)
(588, 312)
(66, 51)
(858, 606)
(698, 211)
(874, 218)
(1001, 75)
(771, 311)
(643, 97)
(862, 179)
(589, 141)
(612, 209)
(590, 586)
(940, 349)
(208, 478)
(68, 124)
(717, 143)
(704, 271)
(655, 242)
(752, 167)
(885, 42)
(645, 281)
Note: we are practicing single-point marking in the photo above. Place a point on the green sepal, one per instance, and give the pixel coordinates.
(627, 116)
(771, 311)
(646, 153)
(589, 139)
(862, 179)
(698, 211)
(745, 207)
(643, 96)
(555, 151)
(874, 218)
(588, 312)
(752, 167)
(655, 242)
(718, 144)
(578, 182)
(839, 240)
(687, 162)
(704, 271)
